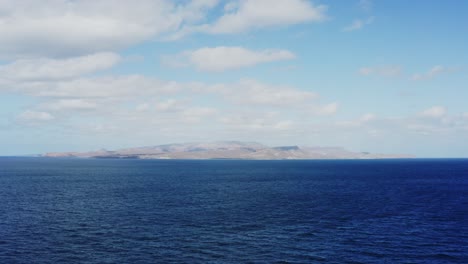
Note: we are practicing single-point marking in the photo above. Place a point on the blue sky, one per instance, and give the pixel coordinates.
(378, 76)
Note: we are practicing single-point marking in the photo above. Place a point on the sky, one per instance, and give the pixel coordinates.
(383, 76)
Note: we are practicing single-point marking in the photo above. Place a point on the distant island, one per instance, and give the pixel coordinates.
(227, 150)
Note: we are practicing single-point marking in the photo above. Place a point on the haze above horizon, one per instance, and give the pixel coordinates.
(378, 76)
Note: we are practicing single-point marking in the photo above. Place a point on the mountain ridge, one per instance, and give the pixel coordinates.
(227, 150)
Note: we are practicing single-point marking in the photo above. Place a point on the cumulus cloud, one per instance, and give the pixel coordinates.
(72, 28)
(57, 69)
(247, 15)
(68, 93)
(223, 58)
(250, 14)
(64, 28)
(358, 24)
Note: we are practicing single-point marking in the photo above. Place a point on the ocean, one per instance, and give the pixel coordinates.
(233, 211)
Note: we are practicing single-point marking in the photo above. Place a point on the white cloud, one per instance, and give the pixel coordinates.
(123, 87)
(170, 105)
(35, 116)
(64, 28)
(118, 103)
(431, 121)
(130, 87)
(329, 109)
(434, 112)
(264, 13)
(57, 69)
(358, 24)
(70, 104)
(72, 28)
(247, 15)
(226, 58)
(384, 70)
(433, 72)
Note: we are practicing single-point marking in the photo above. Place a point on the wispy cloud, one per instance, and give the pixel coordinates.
(432, 73)
(358, 24)
(33, 117)
(432, 121)
(365, 5)
(434, 112)
(255, 93)
(223, 58)
(58, 69)
(328, 109)
(70, 105)
(383, 70)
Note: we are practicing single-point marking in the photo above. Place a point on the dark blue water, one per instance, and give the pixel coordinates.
(137, 211)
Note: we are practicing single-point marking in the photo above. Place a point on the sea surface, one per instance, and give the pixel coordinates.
(233, 211)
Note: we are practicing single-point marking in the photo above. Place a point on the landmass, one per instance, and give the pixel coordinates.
(227, 150)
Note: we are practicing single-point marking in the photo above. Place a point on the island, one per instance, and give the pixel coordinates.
(227, 150)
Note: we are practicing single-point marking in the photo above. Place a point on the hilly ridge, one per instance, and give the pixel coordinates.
(227, 150)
